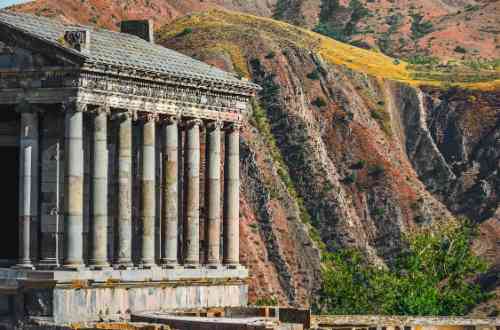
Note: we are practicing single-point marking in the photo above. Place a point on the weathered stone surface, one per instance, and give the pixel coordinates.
(148, 195)
(170, 207)
(213, 191)
(232, 197)
(192, 195)
(74, 185)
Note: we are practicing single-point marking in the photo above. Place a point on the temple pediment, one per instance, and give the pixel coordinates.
(14, 57)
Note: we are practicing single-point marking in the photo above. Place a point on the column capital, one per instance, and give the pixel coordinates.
(74, 106)
(146, 116)
(193, 122)
(168, 118)
(101, 109)
(25, 107)
(214, 124)
(232, 127)
(122, 115)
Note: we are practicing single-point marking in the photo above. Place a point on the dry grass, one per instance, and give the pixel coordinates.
(234, 33)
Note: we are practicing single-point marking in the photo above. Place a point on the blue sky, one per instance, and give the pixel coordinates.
(6, 3)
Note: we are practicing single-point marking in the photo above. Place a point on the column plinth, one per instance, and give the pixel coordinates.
(231, 196)
(29, 186)
(148, 195)
(123, 259)
(170, 194)
(192, 195)
(99, 251)
(73, 222)
(213, 194)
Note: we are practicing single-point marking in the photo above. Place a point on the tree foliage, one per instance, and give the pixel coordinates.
(419, 26)
(331, 27)
(433, 276)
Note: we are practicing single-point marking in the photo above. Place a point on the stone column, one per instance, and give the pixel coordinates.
(232, 196)
(213, 193)
(99, 251)
(124, 224)
(148, 195)
(28, 185)
(192, 193)
(73, 223)
(170, 195)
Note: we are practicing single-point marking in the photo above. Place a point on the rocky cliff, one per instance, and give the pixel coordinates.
(344, 148)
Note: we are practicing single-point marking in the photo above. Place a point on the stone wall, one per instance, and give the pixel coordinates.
(117, 303)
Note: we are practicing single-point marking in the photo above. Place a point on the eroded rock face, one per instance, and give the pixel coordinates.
(367, 160)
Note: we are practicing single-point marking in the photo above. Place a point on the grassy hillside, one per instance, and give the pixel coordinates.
(230, 30)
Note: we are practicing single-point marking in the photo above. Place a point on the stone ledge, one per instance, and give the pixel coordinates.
(12, 278)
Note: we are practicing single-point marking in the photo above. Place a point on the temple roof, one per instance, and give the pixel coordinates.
(121, 49)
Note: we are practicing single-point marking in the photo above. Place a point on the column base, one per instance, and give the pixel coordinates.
(233, 266)
(48, 264)
(147, 265)
(126, 266)
(24, 265)
(75, 267)
(103, 266)
(123, 264)
(170, 265)
(214, 266)
(191, 266)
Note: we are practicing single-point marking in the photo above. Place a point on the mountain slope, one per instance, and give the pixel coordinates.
(404, 28)
(401, 28)
(363, 150)
(109, 13)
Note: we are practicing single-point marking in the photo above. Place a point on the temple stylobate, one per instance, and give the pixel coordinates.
(123, 161)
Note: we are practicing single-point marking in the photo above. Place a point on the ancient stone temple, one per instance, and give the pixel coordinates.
(119, 174)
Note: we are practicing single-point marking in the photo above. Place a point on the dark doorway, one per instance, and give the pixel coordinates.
(9, 193)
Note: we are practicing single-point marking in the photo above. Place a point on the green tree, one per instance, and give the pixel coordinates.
(433, 276)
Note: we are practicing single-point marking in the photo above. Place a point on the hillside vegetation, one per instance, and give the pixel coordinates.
(227, 29)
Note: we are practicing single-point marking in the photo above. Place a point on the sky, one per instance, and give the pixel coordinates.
(6, 3)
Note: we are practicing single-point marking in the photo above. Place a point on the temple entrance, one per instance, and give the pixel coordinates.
(9, 215)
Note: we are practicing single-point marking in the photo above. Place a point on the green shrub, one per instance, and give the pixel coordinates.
(255, 63)
(271, 55)
(376, 115)
(350, 179)
(460, 49)
(185, 32)
(419, 27)
(319, 102)
(431, 276)
(313, 75)
(423, 60)
(376, 170)
(358, 165)
(378, 212)
(267, 301)
(470, 7)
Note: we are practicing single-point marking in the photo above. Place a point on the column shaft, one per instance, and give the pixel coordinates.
(192, 191)
(148, 205)
(124, 225)
(170, 193)
(231, 196)
(99, 251)
(73, 224)
(213, 194)
(28, 201)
